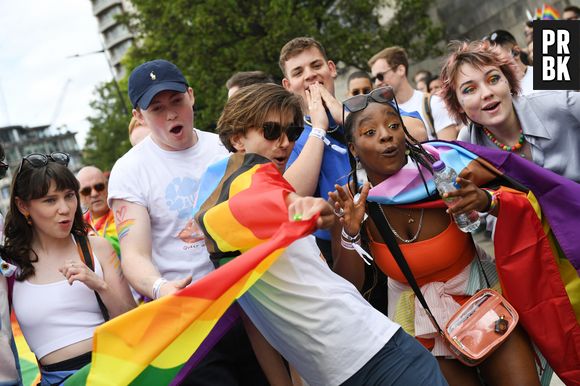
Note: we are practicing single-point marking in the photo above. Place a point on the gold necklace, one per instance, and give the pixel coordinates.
(406, 241)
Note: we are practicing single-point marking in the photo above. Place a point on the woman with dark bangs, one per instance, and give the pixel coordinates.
(58, 300)
(442, 258)
(481, 90)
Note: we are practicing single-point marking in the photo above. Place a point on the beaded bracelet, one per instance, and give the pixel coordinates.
(492, 203)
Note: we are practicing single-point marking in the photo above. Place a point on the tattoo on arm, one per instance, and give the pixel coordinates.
(123, 224)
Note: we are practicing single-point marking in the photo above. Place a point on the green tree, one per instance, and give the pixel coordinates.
(107, 139)
(211, 39)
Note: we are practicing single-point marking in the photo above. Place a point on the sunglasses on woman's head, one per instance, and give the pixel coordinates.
(273, 130)
(360, 102)
(86, 191)
(38, 160)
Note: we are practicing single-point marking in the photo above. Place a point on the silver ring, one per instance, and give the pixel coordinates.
(339, 213)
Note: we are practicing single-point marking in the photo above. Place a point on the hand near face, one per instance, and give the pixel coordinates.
(352, 213)
(74, 270)
(306, 207)
(332, 104)
(471, 198)
(314, 99)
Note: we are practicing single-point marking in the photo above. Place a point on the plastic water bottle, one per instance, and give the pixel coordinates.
(445, 178)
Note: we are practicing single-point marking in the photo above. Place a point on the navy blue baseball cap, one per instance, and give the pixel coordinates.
(150, 78)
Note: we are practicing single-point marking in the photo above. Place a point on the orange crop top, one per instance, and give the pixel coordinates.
(436, 259)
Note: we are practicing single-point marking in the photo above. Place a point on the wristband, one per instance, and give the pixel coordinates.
(321, 134)
(354, 244)
(318, 133)
(349, 238)
(157, 287)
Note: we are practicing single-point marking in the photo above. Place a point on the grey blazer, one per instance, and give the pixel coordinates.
(551, 125)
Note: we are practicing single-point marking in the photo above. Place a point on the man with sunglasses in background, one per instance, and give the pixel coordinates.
(93, 192)
(152, 191)
(389, 67)
(322, 147)
(512, 51)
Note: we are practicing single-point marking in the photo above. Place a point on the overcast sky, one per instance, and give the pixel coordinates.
(36, 38)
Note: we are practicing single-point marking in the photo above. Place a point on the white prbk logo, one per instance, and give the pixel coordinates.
(152, 75)
(555, 67)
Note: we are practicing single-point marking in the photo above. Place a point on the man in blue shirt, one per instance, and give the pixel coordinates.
(323, 160)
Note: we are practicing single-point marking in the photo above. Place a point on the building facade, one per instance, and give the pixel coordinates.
(116, 37)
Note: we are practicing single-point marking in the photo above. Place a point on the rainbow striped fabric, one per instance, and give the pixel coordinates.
(536, 249)
(537, 255)
(152, 344)
(547, 12)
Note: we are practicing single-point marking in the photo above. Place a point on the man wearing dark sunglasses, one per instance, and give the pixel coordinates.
(93, 192)
(389, 67)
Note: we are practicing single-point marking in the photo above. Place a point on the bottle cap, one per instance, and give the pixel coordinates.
(438, 166)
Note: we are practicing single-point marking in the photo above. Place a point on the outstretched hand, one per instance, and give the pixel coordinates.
(469, 197)
(350, 213)
(304, 208)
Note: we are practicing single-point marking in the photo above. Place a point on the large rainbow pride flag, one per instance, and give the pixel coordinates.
(537, 253)
(153, 344)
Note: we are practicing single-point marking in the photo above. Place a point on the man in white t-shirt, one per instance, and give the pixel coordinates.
(389, 67)
(152, 191)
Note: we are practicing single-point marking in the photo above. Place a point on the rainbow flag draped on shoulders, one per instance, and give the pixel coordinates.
(155, 343)
(536, 240)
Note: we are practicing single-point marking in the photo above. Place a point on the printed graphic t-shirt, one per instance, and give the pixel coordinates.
(166, 183)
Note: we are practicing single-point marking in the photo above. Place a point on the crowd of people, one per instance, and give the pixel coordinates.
(335, 308)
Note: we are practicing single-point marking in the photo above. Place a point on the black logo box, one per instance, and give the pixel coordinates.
(573, 64)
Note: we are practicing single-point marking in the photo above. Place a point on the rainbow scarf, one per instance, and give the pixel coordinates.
(536, 249)
(153, 344)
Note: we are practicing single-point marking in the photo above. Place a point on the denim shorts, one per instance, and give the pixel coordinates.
(403, 362)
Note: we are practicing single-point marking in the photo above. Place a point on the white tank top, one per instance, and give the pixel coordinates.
(56, 315)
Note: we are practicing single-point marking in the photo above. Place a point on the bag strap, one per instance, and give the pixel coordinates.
(10, 285)
(389, 239)
(86, 253)
(429, 114)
